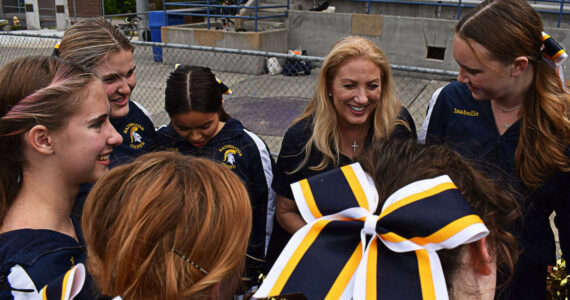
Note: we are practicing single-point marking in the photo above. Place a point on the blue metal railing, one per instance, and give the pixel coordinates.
(459, 4)
(212, 9)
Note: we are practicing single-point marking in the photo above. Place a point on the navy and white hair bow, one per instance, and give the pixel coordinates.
(347, 252)
(555, 55)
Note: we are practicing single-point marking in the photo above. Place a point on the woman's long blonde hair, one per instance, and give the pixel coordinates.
(545, 126)
(326, 134)
(137, 213)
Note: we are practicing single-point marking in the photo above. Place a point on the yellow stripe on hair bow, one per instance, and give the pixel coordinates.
(346, 251)
(555, 55)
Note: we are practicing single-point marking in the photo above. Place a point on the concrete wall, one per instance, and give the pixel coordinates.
(405, 40)
(267, 39)
(448, 11)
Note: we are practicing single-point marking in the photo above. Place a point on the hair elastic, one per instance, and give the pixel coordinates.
(555, 55)
(56, 50)
(224, 89)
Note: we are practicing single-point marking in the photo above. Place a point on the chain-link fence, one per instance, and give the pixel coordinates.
(266, 104)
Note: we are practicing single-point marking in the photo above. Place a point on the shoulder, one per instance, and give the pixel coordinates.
(406, 116)
(405, 127)
(234, 135)
(139, 110)
(166, 131)
(43, 254)
(302, 125)
(453, 92)
(453, 97)
(299, 132)
(168, 139)
(255, 139)
(233, 125)
(25, 245)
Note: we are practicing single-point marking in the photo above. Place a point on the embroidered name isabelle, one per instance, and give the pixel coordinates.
(471, 113)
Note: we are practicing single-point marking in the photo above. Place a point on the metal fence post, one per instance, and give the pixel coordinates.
(458, 9)
(560, 14)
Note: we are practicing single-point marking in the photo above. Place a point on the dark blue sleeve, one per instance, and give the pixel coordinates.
(259, 171)
(405, 131)
(562, 218)
(51, 265)
(291, 155)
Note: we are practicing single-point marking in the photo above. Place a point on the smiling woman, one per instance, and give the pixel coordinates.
(55, 135)
(354, 106)
(508, 112)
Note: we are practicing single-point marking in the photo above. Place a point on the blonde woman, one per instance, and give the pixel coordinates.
(509, 113)
(167, 226)
(354, 106)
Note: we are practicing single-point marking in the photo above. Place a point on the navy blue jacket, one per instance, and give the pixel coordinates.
(43, 254)
(138, 132)
(467, 126)
(248, 157)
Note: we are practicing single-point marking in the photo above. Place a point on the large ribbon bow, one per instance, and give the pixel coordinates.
(346, 251)
(555, 55)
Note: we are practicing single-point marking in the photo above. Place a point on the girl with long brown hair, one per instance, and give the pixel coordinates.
(509, 113)
(55, 135)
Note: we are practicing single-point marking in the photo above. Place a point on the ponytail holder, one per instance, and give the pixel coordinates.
(56, 50)
(224, 89)
(348, 250)
(555, 55)
(176, 66)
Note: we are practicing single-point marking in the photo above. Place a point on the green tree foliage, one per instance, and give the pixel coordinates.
(120, 6)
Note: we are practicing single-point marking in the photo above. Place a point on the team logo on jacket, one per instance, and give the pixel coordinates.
(134, 131)
(230, 153)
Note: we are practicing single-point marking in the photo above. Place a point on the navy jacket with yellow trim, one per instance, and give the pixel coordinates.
(138, 132)
(248, 157)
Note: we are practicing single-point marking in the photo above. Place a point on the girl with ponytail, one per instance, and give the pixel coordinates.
(509, 113)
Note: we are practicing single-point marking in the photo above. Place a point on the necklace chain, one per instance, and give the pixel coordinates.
(354, 144)
(506, 110)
